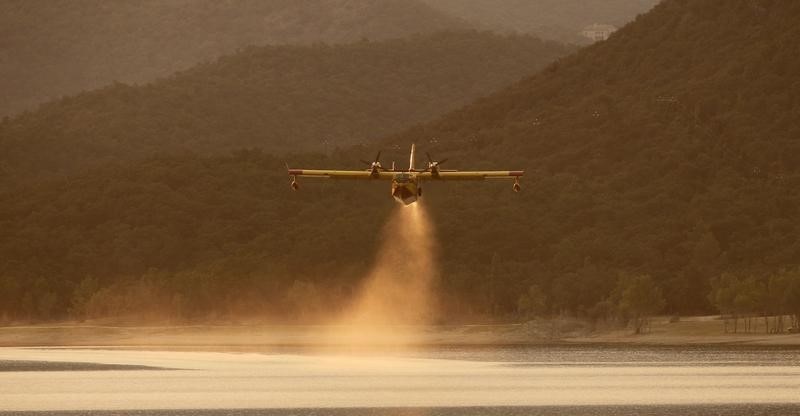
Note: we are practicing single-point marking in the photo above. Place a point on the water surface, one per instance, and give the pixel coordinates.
(444, 380)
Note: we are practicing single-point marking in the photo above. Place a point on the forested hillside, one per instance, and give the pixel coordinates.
(51, 48)
(174, 234)
(561, 20)
(278, 98)
(670, 150)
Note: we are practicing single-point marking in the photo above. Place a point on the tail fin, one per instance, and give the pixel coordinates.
(411, 160)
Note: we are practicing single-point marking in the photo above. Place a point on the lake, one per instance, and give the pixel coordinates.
(507, 380)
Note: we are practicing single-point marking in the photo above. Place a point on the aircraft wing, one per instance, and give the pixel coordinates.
(472, 176)
(339, 174)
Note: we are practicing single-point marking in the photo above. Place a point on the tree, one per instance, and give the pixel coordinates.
(783, 293)
(774, 300)
(532, 303)
(748, 299)
(82, 295)
(723, 296)
(638, 298)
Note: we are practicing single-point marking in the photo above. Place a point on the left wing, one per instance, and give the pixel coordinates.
(472, 176)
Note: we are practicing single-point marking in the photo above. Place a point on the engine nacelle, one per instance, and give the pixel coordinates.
(295, 185)
(517, 187)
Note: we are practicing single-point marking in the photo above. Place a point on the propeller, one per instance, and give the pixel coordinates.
(432, 162)
(433, 165)
(375, 166)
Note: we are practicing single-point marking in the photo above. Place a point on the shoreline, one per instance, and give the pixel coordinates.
(690, 331)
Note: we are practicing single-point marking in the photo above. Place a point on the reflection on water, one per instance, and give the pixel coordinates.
(433, 381)
(622, 354)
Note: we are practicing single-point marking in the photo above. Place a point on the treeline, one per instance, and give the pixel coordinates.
(278, 98)
(54, 48)
(633, 301)
(775, 299)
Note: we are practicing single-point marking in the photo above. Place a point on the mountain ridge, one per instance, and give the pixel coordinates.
(280, 98)
(560, 20)
(49, 49)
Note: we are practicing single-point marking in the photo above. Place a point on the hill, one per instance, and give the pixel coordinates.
(669, 150)
(561, 20)
(176, 232)
(279, 98)
(49, 49)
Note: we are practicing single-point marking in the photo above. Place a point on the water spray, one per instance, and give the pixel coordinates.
(397, 295)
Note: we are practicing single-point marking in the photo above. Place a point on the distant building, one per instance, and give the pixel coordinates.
(597, 31)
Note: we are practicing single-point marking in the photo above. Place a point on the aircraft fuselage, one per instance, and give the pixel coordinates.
(405, 187)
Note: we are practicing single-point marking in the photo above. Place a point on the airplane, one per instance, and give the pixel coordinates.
(406, 184)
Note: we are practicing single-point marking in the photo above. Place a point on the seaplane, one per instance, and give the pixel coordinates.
(406, 184)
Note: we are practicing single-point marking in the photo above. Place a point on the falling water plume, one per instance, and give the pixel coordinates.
(397, 295)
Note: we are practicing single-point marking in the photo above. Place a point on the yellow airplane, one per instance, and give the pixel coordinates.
(406, 184)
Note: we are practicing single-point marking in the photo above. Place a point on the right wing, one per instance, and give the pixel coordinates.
(339, 174)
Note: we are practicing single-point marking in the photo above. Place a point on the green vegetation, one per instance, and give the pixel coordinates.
(50, 48)
(637, 298)
(670, 151)
(279, 98)
(183, 237)
(749, 298)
